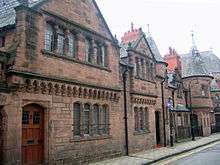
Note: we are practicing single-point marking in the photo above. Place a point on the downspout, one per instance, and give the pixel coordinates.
(163, 111)
(124, 75)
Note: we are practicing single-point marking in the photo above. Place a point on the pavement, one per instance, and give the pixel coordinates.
(155, 155)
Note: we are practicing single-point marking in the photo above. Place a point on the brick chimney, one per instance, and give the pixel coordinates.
(173, 60)
(131, 35)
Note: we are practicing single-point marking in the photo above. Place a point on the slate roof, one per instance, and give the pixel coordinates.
(7, 12)
(194, 64)
(154, 49)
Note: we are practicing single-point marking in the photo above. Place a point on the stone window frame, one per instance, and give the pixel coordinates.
(55, 40)
(49, 37)
(72, 44)
(145, 69)
(94, 132)
(60, 41)
(88, 49)
(141, 120)
(53, 52)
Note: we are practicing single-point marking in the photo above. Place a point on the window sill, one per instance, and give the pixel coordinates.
(139, 78)
(90, 138)
(63, 57)
(141, 132)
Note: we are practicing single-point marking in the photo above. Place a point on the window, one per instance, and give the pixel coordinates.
(104, 117)
(77, 109)
(96, 119)
(71, 45)
(36, 118)
(86, 117)
(146, 119)
(104, 56)
(151, 71)
(136, 119)
(2, 41)
(88, 50)
(60, 41)
(49, 38)
(137, 67)
(217, 97)
(142, 69)
(141, 118)
(25, 117)
(179, 120)
(204, 90)
(147, 70)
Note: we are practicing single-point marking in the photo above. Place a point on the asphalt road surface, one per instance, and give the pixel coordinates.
(210, 156)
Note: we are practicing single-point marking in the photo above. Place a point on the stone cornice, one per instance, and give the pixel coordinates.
(25, 74)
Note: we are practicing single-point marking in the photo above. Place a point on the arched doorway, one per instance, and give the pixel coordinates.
(32, 134)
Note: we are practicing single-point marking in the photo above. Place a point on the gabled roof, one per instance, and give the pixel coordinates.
(132, 38)
(7, 11)
(154, 49)
(8, 15)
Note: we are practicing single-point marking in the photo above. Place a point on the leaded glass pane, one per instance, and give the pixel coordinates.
(76, 119)
(60, 41)
(71, 50)
(96, 119)
(49, 38)
(86, 117)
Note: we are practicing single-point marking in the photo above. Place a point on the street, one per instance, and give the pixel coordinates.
(208, 156)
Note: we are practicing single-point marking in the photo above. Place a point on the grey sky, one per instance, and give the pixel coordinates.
(171, 21)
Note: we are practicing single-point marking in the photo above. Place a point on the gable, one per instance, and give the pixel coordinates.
(83, 12)
(143, 47)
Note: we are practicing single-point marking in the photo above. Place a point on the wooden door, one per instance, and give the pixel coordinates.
(32, 135)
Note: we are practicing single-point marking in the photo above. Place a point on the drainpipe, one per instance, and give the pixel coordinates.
(124, 76)
(163, 110)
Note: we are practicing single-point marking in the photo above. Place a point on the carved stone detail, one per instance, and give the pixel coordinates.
(59, 89)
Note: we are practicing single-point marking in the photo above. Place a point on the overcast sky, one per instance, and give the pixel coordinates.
(171, 21)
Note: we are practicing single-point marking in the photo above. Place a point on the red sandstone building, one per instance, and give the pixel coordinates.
(60, 89)
(63, 94)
